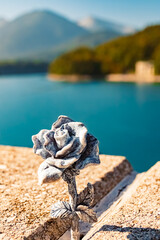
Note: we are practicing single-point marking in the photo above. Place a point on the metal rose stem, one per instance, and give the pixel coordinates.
(72, 189)
(69, 177)
(66, 149)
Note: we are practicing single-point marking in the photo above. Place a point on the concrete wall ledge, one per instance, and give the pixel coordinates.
(135, 214)
(25, 206)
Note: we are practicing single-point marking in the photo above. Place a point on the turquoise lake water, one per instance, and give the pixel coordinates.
(124, 117)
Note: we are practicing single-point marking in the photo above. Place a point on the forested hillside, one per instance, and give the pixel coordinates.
(116, 56)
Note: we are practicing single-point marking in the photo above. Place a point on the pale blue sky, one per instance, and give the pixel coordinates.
(137, 13)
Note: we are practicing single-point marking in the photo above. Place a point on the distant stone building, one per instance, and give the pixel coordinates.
(144, 71)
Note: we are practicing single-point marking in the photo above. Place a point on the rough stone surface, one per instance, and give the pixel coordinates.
(25, 206)
(136, 215)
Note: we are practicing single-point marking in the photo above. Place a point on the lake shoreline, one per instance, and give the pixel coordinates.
(75, 78)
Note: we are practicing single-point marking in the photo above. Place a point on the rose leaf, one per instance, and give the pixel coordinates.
(61, 209)
(86, 214)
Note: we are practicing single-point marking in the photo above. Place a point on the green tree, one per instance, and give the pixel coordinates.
(80, 61)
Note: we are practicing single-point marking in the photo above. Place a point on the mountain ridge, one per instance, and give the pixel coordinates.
(34, 31)
(95, 24)
(44, 34)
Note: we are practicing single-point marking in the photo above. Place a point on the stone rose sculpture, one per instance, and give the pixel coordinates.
(66, 149)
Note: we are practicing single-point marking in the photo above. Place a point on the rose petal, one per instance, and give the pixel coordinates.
(50, 143)
(62, 137)
(61, 120)
(90, 155)
(78, 132)
(61, 163)
(38, 147)
(48, 173)
(65, 150)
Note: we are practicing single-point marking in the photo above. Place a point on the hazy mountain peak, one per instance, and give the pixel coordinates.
(94, 24)
(39, 14)
(87, 22)
(36, 31)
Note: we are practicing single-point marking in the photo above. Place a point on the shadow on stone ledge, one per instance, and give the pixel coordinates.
(133, 233)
